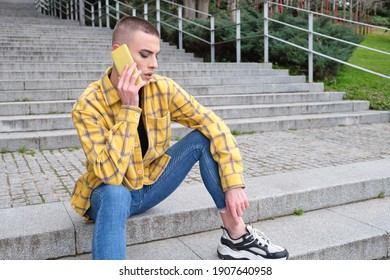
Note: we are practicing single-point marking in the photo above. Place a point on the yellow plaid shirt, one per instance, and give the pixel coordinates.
(109, 137)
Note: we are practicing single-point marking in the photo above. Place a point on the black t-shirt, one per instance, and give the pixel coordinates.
(143, 137)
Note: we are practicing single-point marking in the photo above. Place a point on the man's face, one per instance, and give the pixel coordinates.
(145, 48)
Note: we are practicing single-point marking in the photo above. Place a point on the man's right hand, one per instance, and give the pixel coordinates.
(128, 91)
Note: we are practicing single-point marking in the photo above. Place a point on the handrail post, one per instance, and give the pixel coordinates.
(107, 14)
(76, 10)
(158, 23)
(238, 35)
(68, 6)
(117, 16)
(81, 12)
(212, 39)
(310, 47)
(146, 16)
(93, 15)
(266, 39)
(180, 15)
(60, 9)
(71, 10)
(100, 13)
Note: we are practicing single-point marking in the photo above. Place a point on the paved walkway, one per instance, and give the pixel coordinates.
(36, 177)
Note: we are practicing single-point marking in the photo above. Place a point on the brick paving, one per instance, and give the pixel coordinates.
(42, 176)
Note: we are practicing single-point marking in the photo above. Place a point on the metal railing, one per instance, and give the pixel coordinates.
(181, 19)
(162, 12)
(64, 9)
(310, 31)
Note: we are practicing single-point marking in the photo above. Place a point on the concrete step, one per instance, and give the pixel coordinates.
(40, 20)
(214, 66)
(356, 231)
(257, 88)
(35, 107)
(270, 110)
(71, 47)
(10, 29)
(221, 73)
(307, 121)
(44, 102)
(227, 81)
(196, 76)
(88, 53)
(39, 95)
(196, 80)
(88, 58)
(343, 219)
(205, 87)
(64, 43)
(47, 35)
(45, 39)
(48, 67)
(268, 98)
(55, 120)
(177, 69)
(57, 138)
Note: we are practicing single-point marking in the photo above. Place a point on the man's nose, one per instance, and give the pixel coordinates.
(154, 63)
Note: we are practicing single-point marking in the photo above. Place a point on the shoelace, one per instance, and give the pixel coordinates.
(259, 236)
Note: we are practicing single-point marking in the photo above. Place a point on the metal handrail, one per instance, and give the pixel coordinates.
(58, 8)
(181, 19)
(311, 32)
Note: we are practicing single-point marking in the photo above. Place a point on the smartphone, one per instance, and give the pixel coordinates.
(122, 56)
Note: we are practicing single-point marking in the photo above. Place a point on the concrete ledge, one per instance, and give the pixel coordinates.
(357, 231)
(281, 194)
(322, 234)
(270, 197)
(36, 232)
(54, 230)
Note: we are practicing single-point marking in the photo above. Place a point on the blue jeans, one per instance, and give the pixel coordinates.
(112, 205)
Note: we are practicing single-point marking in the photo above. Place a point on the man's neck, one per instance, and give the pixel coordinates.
(114, 77)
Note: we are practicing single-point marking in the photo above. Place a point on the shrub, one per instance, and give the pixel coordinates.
(297, 60)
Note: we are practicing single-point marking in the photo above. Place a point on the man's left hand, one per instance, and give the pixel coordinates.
(236, 203)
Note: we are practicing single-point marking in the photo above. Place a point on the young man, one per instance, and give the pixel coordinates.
(125, 133)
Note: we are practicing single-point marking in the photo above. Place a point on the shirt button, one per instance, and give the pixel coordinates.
(139, 172)
(136, 145)
(136, 115)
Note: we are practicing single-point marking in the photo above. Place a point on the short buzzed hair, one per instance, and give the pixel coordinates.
(127, 25)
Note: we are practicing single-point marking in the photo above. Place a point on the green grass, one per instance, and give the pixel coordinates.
(75, 148)
(22, 150)
(298, 212)
(235, 132)
(360, 85)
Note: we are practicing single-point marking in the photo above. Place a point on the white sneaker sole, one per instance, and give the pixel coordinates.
(224, 252)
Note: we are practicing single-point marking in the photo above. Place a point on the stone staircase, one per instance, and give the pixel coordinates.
(46, 63)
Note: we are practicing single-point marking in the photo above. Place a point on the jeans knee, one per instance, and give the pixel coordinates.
(199, 139)
(111, 199)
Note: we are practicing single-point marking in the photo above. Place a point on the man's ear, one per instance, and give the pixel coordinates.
(115, 46)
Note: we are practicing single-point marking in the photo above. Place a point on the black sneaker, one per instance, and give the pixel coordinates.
(253, 245)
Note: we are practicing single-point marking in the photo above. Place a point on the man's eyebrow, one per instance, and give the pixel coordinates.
(148, 51)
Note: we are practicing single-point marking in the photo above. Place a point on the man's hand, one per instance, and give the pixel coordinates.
(126, 87)
(236, 203)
